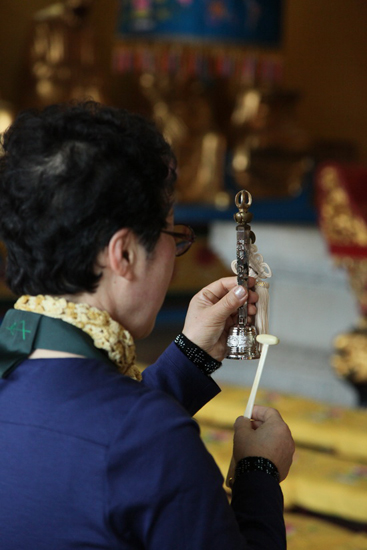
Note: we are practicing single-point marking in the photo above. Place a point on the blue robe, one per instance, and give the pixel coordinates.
(91, 459)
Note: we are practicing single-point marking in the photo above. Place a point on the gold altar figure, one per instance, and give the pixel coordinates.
(269, 150)
(61, 58)
(342, 206)
(183, 110)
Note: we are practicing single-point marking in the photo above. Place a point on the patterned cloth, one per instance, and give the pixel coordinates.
(323, 482)
(315, 424)
(307, 533)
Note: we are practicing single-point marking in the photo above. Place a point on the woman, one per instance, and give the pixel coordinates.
(93, 456)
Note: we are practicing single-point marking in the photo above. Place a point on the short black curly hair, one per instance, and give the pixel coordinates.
(72, 175)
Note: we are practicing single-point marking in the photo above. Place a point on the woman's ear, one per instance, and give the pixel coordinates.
(121, 253)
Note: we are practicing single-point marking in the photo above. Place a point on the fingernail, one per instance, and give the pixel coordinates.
(239, 291)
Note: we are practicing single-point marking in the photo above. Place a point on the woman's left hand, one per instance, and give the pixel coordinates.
(212, 312)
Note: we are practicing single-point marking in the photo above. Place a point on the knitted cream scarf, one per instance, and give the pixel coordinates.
(106, 333)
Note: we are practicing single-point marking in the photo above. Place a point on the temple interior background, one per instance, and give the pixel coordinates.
(283, 115)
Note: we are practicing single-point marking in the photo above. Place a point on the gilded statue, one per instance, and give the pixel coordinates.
(183, 110)
(62, 61)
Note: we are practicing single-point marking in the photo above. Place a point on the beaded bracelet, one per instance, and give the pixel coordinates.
(256, 464)
(198, 356)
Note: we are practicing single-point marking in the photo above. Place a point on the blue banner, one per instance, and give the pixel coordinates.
(255, 22)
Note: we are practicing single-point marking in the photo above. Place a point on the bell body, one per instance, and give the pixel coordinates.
(242, 343)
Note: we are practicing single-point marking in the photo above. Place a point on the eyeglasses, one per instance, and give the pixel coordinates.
(184, 237)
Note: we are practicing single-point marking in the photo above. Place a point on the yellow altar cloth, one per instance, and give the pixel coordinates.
(326, 484)
(313, 424)
(307, 533)
(332, 483)
(318, 481)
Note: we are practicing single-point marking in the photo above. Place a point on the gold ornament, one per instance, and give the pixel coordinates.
(340, 224)
(350, 360)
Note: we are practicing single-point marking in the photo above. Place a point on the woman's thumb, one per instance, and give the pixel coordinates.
(230, 302)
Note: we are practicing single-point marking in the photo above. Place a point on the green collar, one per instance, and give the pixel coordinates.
(21, 332)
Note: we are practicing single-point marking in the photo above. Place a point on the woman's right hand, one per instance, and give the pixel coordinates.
(267, 435)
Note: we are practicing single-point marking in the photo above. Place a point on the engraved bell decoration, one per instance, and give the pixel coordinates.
(241, 342)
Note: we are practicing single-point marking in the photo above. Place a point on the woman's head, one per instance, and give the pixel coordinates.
(70, 177)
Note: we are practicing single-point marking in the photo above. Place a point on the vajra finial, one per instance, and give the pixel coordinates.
(243, 201)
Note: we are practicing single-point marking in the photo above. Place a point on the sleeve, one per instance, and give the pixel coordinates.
(165, 490)
(255, 496)
(176, 375)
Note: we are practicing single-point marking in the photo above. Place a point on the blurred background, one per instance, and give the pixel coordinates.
(266, 95)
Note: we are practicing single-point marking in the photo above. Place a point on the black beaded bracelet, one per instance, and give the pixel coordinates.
(198, 356)
(258, 464)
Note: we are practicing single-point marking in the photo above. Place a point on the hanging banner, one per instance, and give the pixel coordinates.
(251, 22)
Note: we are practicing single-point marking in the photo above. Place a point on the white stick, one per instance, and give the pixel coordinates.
(266, 340)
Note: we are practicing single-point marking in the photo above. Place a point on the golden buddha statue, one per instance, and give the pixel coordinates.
(61, 58)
